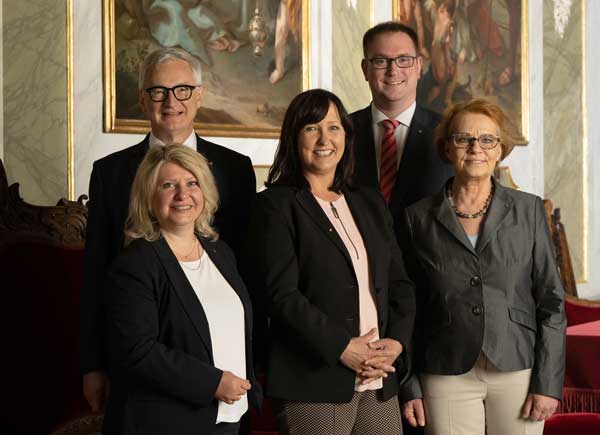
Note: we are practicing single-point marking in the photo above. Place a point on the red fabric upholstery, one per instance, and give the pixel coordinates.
(581, 423)
(577, 313)
(581, 392)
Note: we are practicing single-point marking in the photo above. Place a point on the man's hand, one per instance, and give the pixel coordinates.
(231, 388)
(413, 412)
(96, 388)
(539, 407)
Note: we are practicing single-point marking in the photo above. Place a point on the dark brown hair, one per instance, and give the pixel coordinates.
(388, 27)
(307, 108)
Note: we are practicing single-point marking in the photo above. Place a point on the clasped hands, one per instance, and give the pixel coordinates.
(371, 359)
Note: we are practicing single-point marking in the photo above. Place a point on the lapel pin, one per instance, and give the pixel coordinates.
(420, 131)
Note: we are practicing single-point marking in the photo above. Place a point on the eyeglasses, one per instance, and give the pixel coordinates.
(404, 61)
(161, 93)
(486, 141)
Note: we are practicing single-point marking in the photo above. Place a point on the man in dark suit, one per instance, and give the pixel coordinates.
(394, 141)
(171, 93)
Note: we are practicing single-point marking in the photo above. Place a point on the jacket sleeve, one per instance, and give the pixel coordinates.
(549, 365)
(402, 306)
(278, 277)
(96, 256)
(133, 292)
(411, 389)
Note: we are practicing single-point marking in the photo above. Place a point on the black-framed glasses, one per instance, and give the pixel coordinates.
(404, 61)
(161, 93)
(464, 140)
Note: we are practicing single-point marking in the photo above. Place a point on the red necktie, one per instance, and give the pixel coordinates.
(389, 159)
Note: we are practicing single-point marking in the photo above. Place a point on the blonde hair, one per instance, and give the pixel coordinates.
(141, 222)
(480, 106)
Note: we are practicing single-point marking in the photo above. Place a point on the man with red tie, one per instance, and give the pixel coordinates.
(394, 142)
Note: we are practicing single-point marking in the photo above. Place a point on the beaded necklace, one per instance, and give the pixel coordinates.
(457, 212)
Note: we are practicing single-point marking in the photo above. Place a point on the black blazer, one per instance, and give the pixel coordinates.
(504, 297)
(304, 276)
(159, 344)
(110, 184)
(421, 172)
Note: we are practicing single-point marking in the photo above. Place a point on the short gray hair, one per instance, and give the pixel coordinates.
(168, 54)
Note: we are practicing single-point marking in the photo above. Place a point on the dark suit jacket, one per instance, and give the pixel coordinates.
(304, 276)
(159, 344)
(110, 184)
(421, 172)
(504, 297)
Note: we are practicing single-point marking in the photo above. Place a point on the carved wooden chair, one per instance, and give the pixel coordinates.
(41, 253)
(577, 310)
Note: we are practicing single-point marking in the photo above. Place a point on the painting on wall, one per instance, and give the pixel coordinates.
(254, 55)
(471, 49)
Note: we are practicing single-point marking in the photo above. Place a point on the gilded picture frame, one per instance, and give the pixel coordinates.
(244, 95)
(472, 49)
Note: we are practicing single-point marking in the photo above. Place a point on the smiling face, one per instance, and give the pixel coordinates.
(321, 146)
(178, 200)
(393, 89)
(474, 162)
(172, 120)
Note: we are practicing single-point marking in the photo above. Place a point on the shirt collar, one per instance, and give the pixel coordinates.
(190, 142)
(404, 117)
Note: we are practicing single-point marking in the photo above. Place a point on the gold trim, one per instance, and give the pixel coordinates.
(70, 113)
(524, 73)
(584, 131)
(114, 125)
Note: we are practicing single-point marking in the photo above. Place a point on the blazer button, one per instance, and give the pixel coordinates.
(477, 310)
(475, 281)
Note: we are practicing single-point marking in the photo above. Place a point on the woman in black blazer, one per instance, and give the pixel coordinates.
(327, 269)
(178, 315)
(491, 325)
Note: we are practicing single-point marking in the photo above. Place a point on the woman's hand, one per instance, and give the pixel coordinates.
(358, 351)
(413, 412)
(231, 388)
(539, 407)
(379, 366)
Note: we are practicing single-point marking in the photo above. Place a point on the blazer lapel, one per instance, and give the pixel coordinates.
(138, 155)
(445, 215)
(184, 291)
(496, 215)
(314, 210)
(366, 168)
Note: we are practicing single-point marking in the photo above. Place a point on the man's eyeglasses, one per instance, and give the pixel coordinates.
(404, 61)
(161, 93)
(486, 141)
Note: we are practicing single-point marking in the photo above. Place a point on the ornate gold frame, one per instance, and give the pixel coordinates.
(112, 124)
(70, 116)
(524, 139)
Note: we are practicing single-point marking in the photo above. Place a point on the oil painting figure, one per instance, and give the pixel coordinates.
(470, 49)
(251, 51)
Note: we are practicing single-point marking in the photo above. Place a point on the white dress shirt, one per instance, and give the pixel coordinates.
(190, 142)
(401, 132)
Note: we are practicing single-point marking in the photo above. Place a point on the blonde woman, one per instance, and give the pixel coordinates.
(178, 315)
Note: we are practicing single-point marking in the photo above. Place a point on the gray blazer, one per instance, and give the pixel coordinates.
(504, 297)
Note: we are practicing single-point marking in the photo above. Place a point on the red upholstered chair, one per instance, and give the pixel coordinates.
(578, 423)
(40, 268)
(581, 310)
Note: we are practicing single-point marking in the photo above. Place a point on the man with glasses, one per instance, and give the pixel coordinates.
(394, 142)
(395, 149)
(170, 92)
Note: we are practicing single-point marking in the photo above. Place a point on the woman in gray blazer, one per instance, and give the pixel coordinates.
(490, 341)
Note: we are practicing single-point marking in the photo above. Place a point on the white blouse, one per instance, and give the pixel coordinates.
(225, 314)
